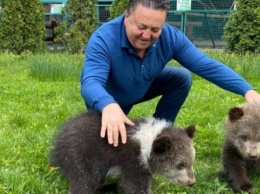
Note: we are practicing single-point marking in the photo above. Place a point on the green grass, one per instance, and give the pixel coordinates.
(34, 102)
(56, 68)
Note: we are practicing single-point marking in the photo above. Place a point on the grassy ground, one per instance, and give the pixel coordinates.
(34, 101)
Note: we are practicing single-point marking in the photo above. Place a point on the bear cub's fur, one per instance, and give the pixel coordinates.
(241, 148)
(153, 147)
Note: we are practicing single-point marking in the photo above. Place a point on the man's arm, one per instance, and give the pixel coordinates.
(93, 80)
(210, 69)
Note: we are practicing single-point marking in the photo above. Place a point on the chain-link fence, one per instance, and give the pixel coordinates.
(203, 22)
(102, 9)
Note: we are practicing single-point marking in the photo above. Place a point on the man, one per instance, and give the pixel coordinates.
(126, 63)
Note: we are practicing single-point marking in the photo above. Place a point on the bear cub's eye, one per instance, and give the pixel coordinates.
(180, 166)
(243, 137)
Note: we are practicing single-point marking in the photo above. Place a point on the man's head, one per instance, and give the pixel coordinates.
(163, 5)
(144, 20)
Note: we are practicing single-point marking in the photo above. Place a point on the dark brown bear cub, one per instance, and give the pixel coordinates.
(153, 147)
(241, 149)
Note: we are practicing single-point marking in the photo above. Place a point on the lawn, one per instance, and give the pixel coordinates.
(40, 92)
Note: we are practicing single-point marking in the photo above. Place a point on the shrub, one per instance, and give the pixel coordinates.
(74, 33)
(117, 8)
(242, 29)
(22, 26)
(2, 2)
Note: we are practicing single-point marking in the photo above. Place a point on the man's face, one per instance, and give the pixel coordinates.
(144, 26)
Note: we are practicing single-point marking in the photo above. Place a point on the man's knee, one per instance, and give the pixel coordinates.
(187, 78)
(181, 77)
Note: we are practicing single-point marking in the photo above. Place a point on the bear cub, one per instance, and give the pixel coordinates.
(153, 147)
(241, 148)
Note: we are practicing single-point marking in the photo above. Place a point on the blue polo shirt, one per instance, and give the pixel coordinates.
(113, 72)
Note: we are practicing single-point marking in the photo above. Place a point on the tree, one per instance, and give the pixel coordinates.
(2, 2)
(117, 8)
(74, 32)
(242, 29)
(22, 26)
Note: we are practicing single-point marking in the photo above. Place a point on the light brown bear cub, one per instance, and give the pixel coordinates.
(241, 149)
(153, 147)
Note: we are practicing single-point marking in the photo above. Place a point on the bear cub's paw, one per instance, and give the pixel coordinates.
(246, 187)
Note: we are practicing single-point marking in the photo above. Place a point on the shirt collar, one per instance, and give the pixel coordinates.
(124, 40)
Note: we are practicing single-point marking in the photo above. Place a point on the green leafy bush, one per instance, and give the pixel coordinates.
(117, 8)
(22, 26)
(2, 2)
(73, 34)
(242, 29)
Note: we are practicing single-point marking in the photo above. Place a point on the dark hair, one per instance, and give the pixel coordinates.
(153, 4)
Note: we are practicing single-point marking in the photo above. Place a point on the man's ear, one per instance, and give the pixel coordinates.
(126, 13)
(161, 144)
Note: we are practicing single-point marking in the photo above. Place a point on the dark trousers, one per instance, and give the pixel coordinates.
(173, 85)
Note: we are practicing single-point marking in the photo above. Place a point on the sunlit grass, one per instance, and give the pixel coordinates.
(56, 67)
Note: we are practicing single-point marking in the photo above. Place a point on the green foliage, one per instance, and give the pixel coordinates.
(242, 29)
(2, 2)
(74, 33)
(32, 108)
(117, 8)
(22, 26)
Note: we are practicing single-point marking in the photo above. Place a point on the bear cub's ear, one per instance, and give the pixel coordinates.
(190, 130)
(235, 113)
(162, 144)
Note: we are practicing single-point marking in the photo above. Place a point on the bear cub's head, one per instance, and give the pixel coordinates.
(173, 155)
(243, 130)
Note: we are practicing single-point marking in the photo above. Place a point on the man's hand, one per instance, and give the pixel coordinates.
(113, 124)
(252, 97)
